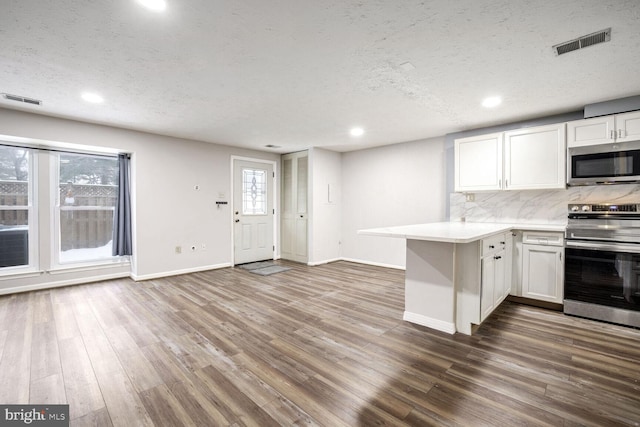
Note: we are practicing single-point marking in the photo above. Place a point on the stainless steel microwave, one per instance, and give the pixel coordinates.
(611, 163)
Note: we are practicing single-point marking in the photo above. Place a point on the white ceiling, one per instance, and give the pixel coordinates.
(299, 74)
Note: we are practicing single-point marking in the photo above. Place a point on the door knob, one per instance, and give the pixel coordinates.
(237, 220)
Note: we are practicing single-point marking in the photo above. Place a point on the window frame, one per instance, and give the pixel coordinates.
(32, 215)
(56, 228)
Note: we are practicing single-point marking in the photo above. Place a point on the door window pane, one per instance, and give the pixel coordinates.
(14, 206)
(254, 192)
(87, 189)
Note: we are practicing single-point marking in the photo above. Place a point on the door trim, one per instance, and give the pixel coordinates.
(276, 216)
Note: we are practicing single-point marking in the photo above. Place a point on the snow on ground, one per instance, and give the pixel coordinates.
(89, 254)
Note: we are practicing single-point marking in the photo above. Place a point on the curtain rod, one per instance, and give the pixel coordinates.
(61, 150)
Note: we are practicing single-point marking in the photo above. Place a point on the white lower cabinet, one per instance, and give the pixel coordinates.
(483, 272)
(542, 266)
(494, 279)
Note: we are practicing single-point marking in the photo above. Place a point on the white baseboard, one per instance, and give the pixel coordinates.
(376, 264)
(358, 261)
(429, 322)
(61, 283)
(326, 261)
(139, 278)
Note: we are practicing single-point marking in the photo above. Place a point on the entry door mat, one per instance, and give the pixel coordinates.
(264, 268)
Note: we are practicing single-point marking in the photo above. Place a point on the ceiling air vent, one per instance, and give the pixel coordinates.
(21, 99)
(582, 42)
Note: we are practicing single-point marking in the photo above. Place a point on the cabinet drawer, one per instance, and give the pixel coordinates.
(543, 238)
(493, 244)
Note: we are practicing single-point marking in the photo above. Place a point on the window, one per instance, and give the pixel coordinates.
(254, 191)
(86, 191)
(16, 212)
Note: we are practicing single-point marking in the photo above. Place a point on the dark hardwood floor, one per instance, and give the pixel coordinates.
(319, 345)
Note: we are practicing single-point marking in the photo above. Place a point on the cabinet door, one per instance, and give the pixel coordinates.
(534, 158)
(598, 130)
(508, 264)
(500, 278)
(478, 163)
(487, 287)
(628, 126)
(542, 272)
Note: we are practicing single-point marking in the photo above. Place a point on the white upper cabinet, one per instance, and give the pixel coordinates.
(534, 158)
(478, 163)
(628, 126)
(606, 129)
(598, 130)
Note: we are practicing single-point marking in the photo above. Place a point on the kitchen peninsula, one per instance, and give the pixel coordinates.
(456, 272)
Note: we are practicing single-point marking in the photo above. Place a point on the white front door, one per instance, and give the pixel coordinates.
(252, 211)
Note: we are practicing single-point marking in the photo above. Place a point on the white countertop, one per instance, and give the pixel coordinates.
(455, 232)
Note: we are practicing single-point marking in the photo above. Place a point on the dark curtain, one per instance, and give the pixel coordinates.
(122, 214)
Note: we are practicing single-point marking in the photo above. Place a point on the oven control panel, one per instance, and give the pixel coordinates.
(604, 208)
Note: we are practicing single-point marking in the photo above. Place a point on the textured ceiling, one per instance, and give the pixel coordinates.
(299, 74)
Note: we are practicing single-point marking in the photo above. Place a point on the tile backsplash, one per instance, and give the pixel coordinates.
(535, 206)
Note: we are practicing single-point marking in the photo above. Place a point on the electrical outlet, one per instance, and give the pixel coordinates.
(470, 198)
(178, 249)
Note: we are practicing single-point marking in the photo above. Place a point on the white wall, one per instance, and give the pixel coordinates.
(326, 207)
(168, 211)
(393, 185)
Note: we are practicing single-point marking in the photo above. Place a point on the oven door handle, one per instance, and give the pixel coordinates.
(613, 247)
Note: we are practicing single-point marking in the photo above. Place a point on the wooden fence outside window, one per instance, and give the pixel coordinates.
(86, 212)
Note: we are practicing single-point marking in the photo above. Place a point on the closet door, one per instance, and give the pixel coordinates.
(295, 176)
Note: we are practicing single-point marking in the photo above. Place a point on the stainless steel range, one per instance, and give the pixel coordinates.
(602, 262)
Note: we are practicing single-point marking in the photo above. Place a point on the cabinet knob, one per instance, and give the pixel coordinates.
(497, 257)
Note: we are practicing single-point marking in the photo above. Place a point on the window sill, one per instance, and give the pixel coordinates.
(12, 275)
(89, 266)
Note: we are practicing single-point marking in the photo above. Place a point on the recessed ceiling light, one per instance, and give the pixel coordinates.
(356, 131)
(155, 5)
(492, 101)
(92, 97)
